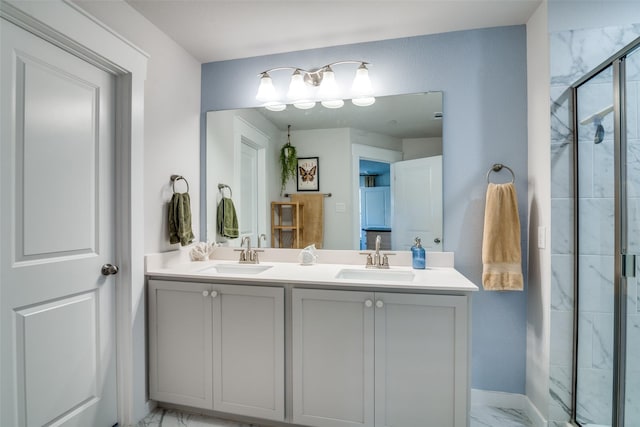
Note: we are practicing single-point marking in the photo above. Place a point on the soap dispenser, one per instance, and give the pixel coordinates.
(418, 255)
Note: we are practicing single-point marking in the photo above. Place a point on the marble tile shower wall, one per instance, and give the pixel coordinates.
(573, 54)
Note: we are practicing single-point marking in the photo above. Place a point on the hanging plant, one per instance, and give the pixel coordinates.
(288, 162)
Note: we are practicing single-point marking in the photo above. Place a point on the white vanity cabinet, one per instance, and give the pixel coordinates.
(217, 347)
(379, 359)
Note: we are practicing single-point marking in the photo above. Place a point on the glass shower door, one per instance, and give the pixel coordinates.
(595, 249)
(631, 246)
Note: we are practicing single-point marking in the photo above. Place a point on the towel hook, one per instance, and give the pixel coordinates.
(497, 167)
(175, 178)
(221, 187)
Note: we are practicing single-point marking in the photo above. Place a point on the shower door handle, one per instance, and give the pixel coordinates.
(628, 265)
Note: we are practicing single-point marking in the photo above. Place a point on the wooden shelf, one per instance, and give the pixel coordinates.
(286, 224)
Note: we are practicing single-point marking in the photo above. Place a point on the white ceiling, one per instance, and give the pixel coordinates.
(216, 30)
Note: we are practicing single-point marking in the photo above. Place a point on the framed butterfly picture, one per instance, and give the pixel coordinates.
(308, 174)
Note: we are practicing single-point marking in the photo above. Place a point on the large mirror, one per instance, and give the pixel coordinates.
(378, 171)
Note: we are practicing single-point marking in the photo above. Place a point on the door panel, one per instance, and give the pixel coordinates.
(180, 343)
(632, 241)
(248, 350)
(332, 358)
(416, 200)
(421, 360)
(57, 198)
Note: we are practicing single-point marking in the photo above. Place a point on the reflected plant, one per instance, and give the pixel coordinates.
(288, 162)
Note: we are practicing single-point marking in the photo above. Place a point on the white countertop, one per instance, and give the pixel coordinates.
(285, 270)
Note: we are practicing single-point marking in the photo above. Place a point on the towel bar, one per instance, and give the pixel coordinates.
(324, 194)
(175, 178)
(497, 167)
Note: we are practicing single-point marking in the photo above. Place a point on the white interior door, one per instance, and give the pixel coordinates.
(416, 199)
(248, 209)
(57, 318)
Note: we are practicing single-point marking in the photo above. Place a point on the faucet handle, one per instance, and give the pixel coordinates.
(369, 259)
(254, 256)
(243, 254)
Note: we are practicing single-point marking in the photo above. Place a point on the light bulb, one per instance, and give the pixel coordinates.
(362, 89)
(297, 89)
(364, 101)
(275, 106)
(304, 105)
(266, 91)
(329, 91)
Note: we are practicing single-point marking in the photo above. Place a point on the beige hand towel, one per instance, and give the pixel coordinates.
(313, 218)
(501, 258)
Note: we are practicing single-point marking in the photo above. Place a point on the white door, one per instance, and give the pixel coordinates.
(57, 197)
(333, 358)
(416, 199)
(248, 350)
(248, 208)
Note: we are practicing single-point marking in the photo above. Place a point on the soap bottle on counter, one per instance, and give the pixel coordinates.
(418, 255)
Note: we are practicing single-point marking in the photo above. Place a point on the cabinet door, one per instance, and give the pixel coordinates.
(248, 350)
(180, 343)
(421, 360)
(332, 358)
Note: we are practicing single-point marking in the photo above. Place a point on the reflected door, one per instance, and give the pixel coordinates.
(416, 203)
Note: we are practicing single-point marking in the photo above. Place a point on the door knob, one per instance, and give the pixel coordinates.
(109, 269)
(436, 240)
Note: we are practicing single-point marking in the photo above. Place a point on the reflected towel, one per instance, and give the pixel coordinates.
(227, 219)
(180, 219)
(501, 258)
(312, 218)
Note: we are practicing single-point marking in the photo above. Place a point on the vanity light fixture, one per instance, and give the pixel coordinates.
(300, 92)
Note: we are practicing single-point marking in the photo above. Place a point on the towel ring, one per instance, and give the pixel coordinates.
(221, 187)
(497, 168)
(175, 178)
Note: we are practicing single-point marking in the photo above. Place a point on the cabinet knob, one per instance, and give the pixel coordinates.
(214, 294)
(205, 293)
(379, 304)
(368, 303)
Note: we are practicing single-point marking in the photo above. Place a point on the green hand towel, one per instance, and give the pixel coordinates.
(227, 219)
(180, 219)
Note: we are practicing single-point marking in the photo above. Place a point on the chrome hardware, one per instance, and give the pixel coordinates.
(368, 303)
(205, 293)
(248, 255)
(437, 240)
(379, 304)
(261, 238)
(375, 259)
(214, 294)
(109, 269)
(628, 265)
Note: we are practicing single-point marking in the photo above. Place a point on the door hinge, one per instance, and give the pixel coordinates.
(628, 265)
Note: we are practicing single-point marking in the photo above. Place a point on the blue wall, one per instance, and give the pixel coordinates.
(482, 74)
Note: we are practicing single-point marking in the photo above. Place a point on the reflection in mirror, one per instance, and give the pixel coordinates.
(379, 171)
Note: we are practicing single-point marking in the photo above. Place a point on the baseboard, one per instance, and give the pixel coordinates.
(511, 401)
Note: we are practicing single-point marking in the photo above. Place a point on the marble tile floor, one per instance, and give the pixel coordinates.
(481, 416)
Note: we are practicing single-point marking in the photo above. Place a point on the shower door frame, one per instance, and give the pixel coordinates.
(623, 261)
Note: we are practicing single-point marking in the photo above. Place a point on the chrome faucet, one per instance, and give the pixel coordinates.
(261, 238)
(248, 255)
(377, 260)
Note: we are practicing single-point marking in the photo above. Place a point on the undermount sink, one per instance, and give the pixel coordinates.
(236, 268)
(377, 275)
